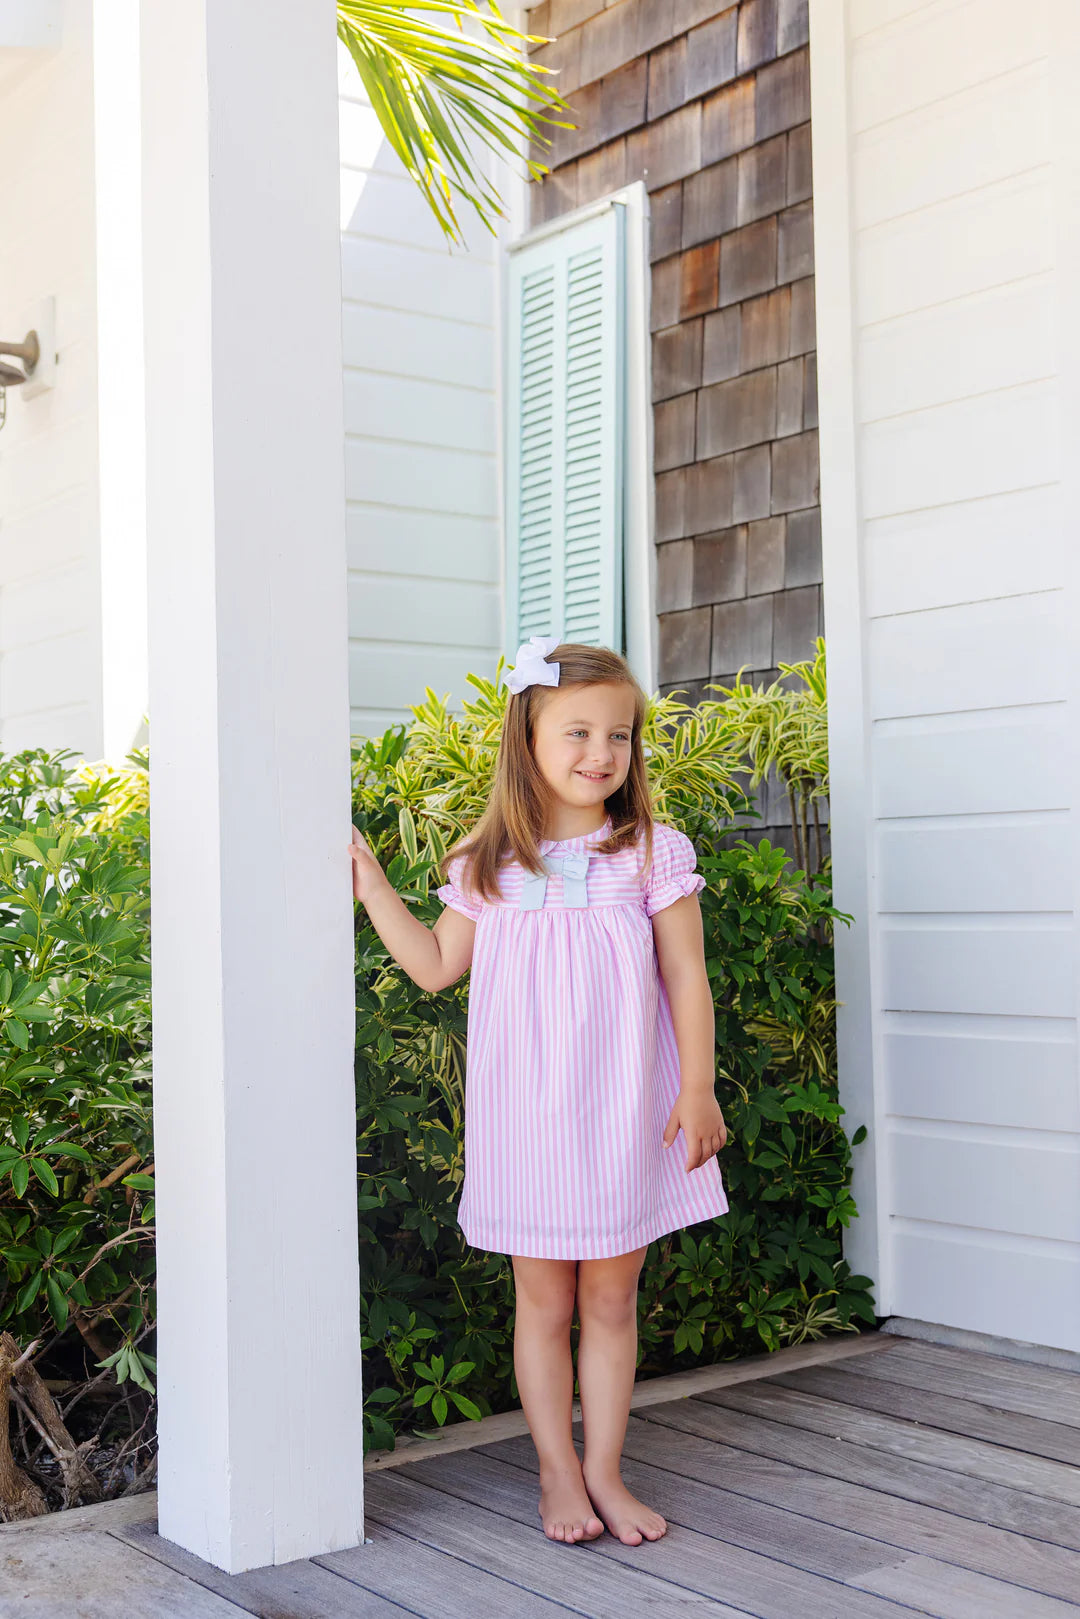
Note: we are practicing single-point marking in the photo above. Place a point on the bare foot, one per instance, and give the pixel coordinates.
(565, 1508)
(629, 1519)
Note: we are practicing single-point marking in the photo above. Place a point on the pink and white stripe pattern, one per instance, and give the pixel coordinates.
(572, 1065)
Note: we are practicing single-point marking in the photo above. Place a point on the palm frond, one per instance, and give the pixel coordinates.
(447, 79)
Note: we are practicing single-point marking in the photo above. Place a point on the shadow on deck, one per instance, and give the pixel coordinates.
(851, 1478)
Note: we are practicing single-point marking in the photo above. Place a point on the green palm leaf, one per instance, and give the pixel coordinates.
(446, 79)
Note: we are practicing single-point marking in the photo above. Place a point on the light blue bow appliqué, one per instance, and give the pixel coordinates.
(572, 868)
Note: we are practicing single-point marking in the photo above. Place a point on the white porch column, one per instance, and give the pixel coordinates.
(261, 1452)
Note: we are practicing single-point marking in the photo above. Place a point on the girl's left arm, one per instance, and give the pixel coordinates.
(680, 953)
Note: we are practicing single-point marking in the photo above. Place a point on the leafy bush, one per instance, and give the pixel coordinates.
(76, 1175)
(437, 1313)
(76, 1242)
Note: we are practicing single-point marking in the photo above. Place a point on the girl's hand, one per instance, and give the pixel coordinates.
(702, 1123)
(367, 873)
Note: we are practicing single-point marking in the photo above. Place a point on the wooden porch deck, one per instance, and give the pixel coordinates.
(851, 1479)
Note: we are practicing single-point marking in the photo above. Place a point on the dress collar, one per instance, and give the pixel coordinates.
(587, 840)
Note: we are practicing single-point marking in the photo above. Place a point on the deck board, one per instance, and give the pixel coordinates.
(301, 1589)
(847, 1458)
(94, 1575)
(823, 1544)
(1007, 1385)
(917, 1479)
(499, 1530)
(898, 1436)
(693, 1554)
(1032, 1435)
(874, 1511)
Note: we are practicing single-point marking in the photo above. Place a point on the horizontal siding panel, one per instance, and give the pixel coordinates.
(1011, 972)
(406, 278)
(76, 725)
(988, 133)
(975, 867)
(390, 206)
(372, 722)
(404, 344)
(361, 142)
(939, 50)
(988, 445)
(444, 611)
(978, 655)
(426, 479)
(49, 464)
(973, 765)
(866, 15)
(391, 677)
(937, 356)
(988, 1079)
(968, 550)
(427, 545)
(1011, 1185)
(999, 234)
(49, 535)
(46, 674)
(1006, 1287)
(53, 604)
(416, 412)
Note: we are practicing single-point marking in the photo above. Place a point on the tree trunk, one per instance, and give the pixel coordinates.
(80, 1484)
(19, 1495)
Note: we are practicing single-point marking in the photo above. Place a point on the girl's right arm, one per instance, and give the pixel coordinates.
(432, 957)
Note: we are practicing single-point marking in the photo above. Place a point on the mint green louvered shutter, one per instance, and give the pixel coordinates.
(564, 434)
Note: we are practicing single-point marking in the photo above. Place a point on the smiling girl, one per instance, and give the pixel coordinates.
(590, 1052)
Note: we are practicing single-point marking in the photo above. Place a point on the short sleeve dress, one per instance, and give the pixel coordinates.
(572, 1066)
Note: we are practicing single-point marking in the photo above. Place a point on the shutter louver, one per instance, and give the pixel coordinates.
(564, 484)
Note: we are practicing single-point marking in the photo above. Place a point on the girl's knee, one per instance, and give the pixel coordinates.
(547, 1286)
(607, 1294)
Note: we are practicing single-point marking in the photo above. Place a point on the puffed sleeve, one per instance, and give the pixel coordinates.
(672, 875)
(451, 894)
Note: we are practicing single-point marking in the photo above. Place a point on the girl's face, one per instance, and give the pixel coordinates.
(581, 742)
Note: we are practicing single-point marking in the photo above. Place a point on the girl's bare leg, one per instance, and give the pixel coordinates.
(544, 1291)
(607, 1360)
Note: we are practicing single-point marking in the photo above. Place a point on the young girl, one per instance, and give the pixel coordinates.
(590, 1052)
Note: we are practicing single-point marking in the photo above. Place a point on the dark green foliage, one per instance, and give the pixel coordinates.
(437, 1321)
(438, 1328)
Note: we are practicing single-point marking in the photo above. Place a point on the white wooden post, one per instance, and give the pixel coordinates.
(261, 1446)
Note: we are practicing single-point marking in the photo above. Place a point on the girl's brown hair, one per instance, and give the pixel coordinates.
(513, 821)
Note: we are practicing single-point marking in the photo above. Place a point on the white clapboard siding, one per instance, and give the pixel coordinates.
(979, 763)
(949, 521)
(50, 658)
(564, 434)
(419, 330)
(993, 864)
(1013, 543)
(960, 1069)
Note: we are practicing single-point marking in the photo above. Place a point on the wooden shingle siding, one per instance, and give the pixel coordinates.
(709, 105)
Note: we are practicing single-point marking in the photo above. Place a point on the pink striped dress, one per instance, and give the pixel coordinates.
(572, 1065)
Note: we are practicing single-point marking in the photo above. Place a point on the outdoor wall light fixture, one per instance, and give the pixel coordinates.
(29, 352)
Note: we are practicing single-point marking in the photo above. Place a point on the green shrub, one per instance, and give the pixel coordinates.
(437, 1314)
(76, 1210)
(76, 1238)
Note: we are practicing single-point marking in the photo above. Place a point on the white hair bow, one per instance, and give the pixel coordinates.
(531, 668)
